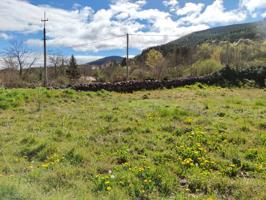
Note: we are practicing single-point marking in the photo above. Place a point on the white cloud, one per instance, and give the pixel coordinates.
(81, 59)
(170, 3)
(252, 5)
(83, 25)
(263, 14)
(214, 14)
(190, 8)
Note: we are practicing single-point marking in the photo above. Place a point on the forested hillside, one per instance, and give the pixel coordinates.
(232, 33)
(204, 52)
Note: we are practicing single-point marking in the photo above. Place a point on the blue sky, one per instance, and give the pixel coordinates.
(79, 27)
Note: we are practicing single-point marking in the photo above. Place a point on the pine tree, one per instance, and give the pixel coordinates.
(124, 62)
(72, 71)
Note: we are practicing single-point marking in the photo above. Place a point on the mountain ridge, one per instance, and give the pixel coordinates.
(105, 60)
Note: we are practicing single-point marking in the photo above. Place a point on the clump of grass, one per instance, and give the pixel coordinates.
(11, 99)
(37, 151)
(145, 96)
(69, 93)
(251, 154)
(73, 157)
(8, 192)
(174, 113)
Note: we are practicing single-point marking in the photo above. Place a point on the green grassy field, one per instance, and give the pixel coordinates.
(195, 142)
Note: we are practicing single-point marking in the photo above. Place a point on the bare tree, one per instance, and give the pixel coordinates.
(19, 56)
(8, 62)
(58, 61)
(55, 61)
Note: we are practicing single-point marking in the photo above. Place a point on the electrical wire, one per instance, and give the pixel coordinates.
(153, 35)
(97, 41)
(132, 34)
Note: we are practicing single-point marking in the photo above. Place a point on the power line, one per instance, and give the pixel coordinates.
(120, 36)
(154, 35)
(97, 41)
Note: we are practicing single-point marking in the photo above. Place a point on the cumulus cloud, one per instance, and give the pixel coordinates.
(190, 8)
(171, 4)
(80, 27)
(253, 5)
(213, 14)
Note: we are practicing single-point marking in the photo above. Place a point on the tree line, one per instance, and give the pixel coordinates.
(166, 62)
(20, 65)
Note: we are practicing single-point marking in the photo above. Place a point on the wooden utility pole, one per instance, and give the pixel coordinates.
(127, 54)
(44, 50)
(227, 54)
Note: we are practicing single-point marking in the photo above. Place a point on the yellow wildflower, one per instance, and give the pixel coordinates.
(141, 169)
(108, 188)
(188, 120)
(259, 167)
(45, 165)
(187, 161)
(30, 167)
